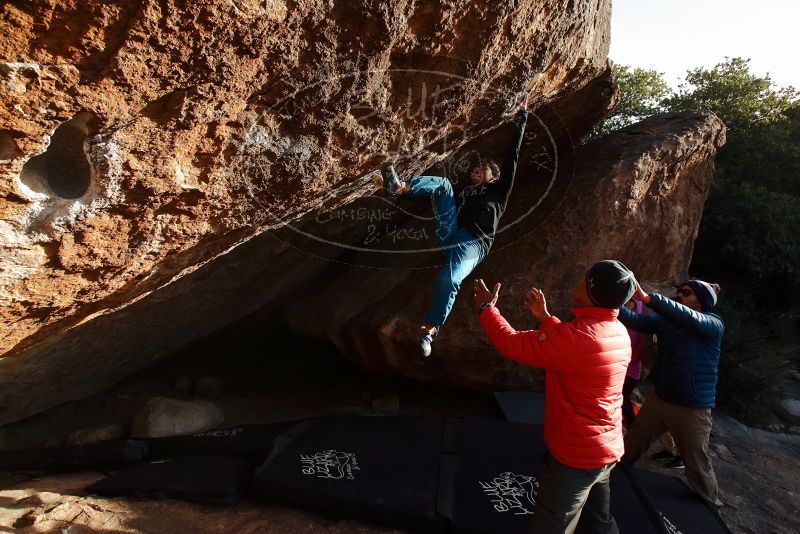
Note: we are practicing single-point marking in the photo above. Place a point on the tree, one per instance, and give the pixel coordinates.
(641, 93)
(765, 154)
(739, 97)
(749, 237)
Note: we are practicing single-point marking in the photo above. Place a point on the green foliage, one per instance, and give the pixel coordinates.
(749, 234)
(756, 345)
(641, 93)
(765, 154)
(740, 98)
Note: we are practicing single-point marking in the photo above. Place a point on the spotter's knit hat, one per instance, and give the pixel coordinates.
(610, 284)
(706, 293)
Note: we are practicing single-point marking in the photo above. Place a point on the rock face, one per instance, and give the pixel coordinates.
(636, 195)
(141, 142)
(141, 139)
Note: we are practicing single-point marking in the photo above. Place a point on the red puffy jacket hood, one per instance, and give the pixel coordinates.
(585, 362)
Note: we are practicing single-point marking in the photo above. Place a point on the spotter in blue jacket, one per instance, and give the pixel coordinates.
(689, 344)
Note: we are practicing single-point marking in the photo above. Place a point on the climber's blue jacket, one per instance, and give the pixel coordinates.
(688, 350)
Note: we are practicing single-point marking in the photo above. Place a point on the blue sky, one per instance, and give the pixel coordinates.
(672, 36)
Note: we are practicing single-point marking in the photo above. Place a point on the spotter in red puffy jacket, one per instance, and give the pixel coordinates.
(585, 362)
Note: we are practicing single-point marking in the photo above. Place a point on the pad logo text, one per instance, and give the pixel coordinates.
(512, 493)
(330, 464)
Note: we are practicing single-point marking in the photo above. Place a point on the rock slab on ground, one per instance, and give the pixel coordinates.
(163, 417)
(95, 435)
(789, 410)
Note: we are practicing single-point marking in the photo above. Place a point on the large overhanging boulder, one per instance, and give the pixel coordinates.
(144, 145)
(141, 139)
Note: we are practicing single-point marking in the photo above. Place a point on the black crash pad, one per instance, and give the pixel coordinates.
(679, 508)
(101, 455)
(423, 474)
(243, 440)
(429, 474)
(521, 406)
(383, 469)
(206, 478)
(641, 501)
(490, 472)
(631, 508)
(496, 468)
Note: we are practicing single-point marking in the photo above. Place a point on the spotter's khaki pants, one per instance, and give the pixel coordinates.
(690, 428)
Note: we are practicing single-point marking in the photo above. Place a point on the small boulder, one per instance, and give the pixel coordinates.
(85, 436)
(789, 410)
(210, 387)
(163, 417)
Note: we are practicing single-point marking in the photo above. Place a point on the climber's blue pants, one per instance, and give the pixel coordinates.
(461, 248)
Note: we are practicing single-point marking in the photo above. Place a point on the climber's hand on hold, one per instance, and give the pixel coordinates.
(522, 102)
(377, 180)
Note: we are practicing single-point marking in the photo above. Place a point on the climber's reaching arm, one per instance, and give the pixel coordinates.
(509, 168)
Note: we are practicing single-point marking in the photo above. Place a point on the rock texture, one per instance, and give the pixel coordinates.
(85, 436)
(140, 141)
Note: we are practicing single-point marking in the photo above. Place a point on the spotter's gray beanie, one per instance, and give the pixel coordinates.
(610, 284)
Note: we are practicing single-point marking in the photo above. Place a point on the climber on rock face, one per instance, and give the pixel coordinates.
(465, 224)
